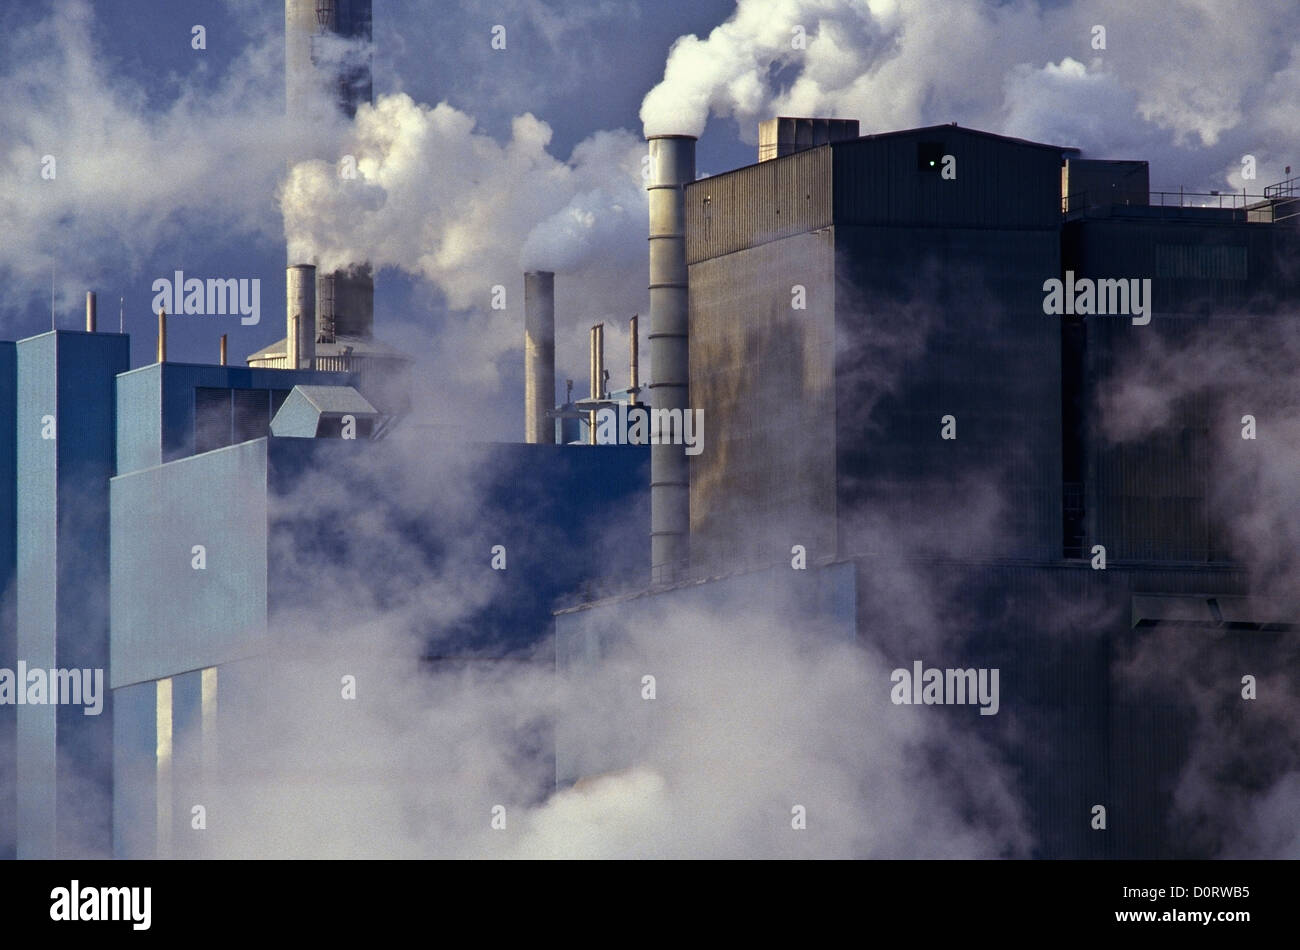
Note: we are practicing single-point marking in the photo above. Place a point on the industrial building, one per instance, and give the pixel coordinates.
(868, 334)
(862, 319)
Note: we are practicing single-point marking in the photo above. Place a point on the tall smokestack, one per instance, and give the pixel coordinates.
(672, 165)
(320, 64)
(300, 316)
(539, 356)
(162, 334)
(90, 311)
(312, 62)
(595, 374)
(634, 361)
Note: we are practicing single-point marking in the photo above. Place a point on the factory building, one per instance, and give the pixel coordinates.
(870, 336)
(865, 322)
(182, 478)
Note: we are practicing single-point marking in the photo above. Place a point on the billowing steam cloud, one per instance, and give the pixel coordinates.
(756, 712)
(1221, 78)
(437, 198)
(98, 181)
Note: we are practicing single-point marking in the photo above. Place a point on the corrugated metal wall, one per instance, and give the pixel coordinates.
(999, 183)
(1149, 497)
(758, 204)
(763, 374)
(934, 322)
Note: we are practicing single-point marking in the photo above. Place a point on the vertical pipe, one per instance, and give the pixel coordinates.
(539, 356)
(634, 366)
(300, 316)
(672, 164)
(90, 311)
(223, 349)
(592, 385)
(162, 334)
(316, 77)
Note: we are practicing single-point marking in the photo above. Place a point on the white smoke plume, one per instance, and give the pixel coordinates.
(122, 180)
(1192, 88)
(756, 713)
(437, 198)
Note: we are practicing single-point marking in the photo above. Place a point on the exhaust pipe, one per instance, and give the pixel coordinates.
(539, 356)
(90, 311)
(162, 334)
(595, 373)
(672, 164)
(300, 316)
(634, 362)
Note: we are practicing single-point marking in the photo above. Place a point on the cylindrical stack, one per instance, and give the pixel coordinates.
(595, 374)
(300, 316)
(672, 164)
(539, 356)
(634, 361)
(90, 311)
(162, 335)
(315, 33)
(223, 349)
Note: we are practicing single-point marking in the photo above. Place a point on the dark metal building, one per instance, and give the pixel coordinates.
(884, 385)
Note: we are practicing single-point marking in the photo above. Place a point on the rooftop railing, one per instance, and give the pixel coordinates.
(1256, 208)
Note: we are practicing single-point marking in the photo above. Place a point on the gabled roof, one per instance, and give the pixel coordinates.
(953, 125)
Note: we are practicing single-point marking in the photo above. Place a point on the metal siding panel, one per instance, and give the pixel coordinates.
(763, 374)
(758, 204)
(135, 771)
(999, 184)
(62, 602)
(211, 616)
(957, 315)
(8, 570)
(139, 419)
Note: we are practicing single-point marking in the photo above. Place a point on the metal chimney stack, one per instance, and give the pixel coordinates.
(300, 316)
(595, 374)
(634, 361)
(672, 167)
(312, 75)
(539, 356)
(91, 320)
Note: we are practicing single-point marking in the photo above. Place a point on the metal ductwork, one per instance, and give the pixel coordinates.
(672, 167)
(300, 316)
(539, 356)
